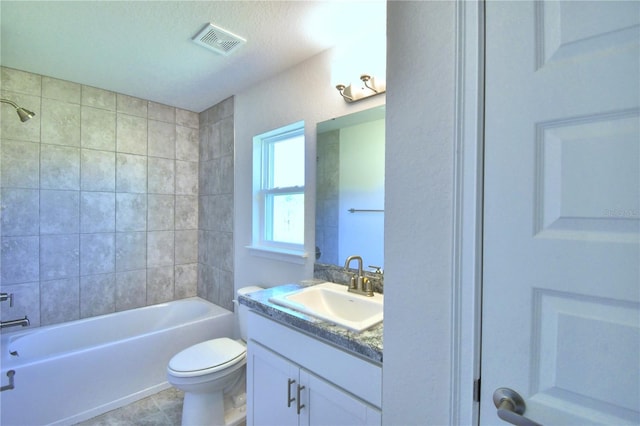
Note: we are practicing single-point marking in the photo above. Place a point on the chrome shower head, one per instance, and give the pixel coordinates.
(23, 113)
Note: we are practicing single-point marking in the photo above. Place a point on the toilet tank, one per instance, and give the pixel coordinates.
(243, 310)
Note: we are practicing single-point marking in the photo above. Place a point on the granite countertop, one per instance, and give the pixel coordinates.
(367, 343)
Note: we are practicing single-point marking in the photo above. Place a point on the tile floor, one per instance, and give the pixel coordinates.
(161, 409)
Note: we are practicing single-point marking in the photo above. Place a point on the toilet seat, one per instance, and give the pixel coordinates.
(207, 357)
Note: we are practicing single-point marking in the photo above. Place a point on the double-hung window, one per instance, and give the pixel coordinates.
(278, 187)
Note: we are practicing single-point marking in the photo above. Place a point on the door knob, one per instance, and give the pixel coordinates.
(511, 406)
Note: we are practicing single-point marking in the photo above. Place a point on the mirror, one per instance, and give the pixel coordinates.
(350, 188)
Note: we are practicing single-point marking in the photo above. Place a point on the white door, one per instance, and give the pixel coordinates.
(561, 278)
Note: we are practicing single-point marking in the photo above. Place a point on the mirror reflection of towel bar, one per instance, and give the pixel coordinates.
(363, 210)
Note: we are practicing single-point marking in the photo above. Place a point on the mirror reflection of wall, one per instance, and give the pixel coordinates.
(350, 188)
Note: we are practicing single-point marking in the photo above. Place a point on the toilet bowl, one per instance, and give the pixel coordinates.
(212, 376)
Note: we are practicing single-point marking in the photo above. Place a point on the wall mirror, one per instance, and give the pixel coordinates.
(350, 188)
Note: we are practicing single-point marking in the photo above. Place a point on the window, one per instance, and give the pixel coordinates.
(278, 188)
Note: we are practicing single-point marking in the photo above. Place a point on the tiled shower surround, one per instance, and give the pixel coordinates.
(215, 248)
(99, 201)
(327, 197)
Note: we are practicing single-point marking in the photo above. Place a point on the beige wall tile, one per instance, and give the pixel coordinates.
(61, 90)
(131, 134)
(162, 139)
(98, 129)
(99, 98)
(132, 106)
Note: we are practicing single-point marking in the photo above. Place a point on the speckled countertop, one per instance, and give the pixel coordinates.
(367, 343)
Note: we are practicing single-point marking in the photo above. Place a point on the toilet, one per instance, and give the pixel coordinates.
(212, 376)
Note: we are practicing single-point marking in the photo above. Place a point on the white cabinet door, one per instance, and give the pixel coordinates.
(281, 393)
(561, 285)
(330, 405)
(269, 388)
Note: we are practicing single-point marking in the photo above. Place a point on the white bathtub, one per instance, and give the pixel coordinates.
(73, 371)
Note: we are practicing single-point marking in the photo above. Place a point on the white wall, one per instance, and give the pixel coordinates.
(418, 204)
(418, 212)
(304, 92)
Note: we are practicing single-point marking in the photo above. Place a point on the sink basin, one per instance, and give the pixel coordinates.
(334, 303)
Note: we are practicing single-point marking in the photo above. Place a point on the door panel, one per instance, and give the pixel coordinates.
(330, 405)
(561, 276)
(568, 29)
(269, 387)
(571, 156)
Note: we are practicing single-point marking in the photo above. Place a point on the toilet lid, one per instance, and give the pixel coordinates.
(212, 355)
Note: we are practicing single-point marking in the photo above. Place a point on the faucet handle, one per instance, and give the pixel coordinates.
(367, 286)
(352, 282)
(7, 296)
(378, 269)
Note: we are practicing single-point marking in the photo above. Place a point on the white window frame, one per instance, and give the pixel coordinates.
(261, 245)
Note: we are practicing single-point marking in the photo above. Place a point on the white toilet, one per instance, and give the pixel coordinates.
(212, 376)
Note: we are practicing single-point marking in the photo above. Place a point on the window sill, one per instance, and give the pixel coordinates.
(284, 255)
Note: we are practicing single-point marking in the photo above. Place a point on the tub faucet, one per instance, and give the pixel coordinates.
(13, 323)
(358, 284)
(6, 296)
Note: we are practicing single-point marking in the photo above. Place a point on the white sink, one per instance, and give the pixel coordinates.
(334, 303)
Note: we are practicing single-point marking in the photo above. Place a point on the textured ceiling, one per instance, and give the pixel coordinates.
(144, 48)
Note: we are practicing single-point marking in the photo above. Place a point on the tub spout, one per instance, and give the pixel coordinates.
(13, 323)
(11, 385)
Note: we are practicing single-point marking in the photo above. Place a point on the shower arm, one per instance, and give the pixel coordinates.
(7, 101)
(23, 113)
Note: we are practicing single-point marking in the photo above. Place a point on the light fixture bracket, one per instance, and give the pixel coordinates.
(370, 87)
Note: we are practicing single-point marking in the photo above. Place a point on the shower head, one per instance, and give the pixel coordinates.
(24, 114)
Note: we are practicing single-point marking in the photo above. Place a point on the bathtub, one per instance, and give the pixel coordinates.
(73, 371)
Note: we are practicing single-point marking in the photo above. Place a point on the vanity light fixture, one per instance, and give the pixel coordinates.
(366, 79)
(354, 93)
(341, 88)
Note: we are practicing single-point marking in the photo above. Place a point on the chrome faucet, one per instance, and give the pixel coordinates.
(358, 284)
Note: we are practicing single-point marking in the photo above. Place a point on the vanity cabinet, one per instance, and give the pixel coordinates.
(296, 379)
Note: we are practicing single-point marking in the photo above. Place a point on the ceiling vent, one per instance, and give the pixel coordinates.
(219, 40)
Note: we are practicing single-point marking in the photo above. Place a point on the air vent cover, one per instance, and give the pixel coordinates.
(219, 40)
